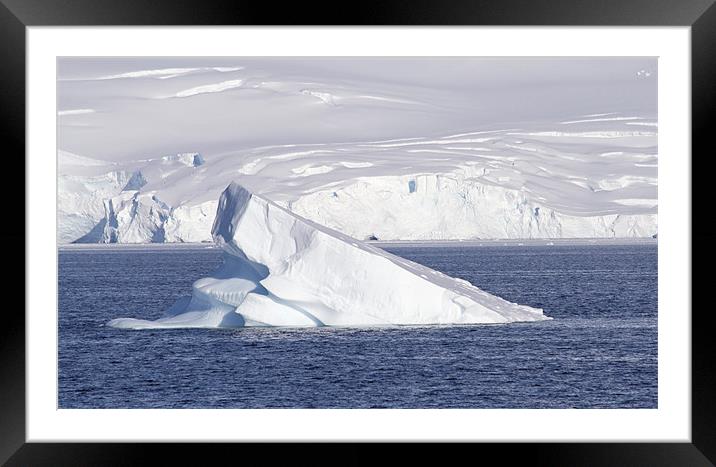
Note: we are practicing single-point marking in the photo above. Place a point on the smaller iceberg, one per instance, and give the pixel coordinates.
(282, 270)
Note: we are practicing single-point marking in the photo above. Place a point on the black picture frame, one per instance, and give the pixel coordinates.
(16, 15)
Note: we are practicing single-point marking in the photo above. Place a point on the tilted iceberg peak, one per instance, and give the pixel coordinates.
(283, 270)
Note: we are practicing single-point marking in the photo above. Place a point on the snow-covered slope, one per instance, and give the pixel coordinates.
(384, 147)
(125, 108)
(282, 270)
(593, 179)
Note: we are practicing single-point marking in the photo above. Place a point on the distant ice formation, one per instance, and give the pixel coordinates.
(282, 270)
(485, 185)
(413, 148)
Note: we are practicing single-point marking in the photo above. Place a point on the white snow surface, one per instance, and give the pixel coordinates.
(495, 184)
(209, 88)
(165, 73)
(392, 148)
(63, 113)
(282, 270)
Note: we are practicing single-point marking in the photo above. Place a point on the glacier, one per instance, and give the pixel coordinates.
(376, 148)
(500, 184)
(283, 270)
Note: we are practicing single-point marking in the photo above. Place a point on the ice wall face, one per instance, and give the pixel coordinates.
(81, 195)
(454, 206)
(102, 202)
(283, 270)
(132, 217)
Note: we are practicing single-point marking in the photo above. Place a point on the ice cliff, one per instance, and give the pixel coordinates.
(283, 270)
(529, 183)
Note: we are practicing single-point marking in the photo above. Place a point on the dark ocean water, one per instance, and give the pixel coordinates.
(600, 351)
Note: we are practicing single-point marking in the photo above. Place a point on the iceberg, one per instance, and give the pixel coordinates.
(283, 270)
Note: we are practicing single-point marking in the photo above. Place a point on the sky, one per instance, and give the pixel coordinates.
(121, 109)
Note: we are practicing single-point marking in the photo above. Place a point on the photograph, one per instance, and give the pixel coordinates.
(357, 232)
(469, 225)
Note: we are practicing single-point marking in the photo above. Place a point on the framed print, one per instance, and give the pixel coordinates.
(437, 224)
